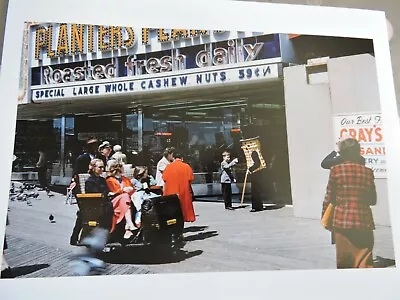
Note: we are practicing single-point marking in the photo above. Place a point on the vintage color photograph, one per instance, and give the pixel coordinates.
(142, 151)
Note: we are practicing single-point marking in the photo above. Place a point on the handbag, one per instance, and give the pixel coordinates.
(327, 218)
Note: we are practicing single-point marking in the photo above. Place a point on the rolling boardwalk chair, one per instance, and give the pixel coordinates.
(90, 206)
(92, 236)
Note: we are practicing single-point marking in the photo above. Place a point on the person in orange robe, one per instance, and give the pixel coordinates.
(178, 177)
(122, 187)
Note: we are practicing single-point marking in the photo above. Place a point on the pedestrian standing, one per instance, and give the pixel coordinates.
(257, 183)
(167, 158)
(178, 177)
(41, 166)
(105, 150)
(227, 178)
(334, 158)
(351, 189)
(118, 155)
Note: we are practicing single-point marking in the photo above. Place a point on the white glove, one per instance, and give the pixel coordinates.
(236, 160)
(127, 189)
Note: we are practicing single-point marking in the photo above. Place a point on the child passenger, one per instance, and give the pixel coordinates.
(142, 182)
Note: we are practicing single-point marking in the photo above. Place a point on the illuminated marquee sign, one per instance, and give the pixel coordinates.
(149, 83)
(134, 66)
(367, 129)
(86, 72)
(65, 40)
(204, 58)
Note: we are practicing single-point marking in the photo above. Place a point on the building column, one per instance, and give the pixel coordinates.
(62, 147)
(123, 131)
(140, 129)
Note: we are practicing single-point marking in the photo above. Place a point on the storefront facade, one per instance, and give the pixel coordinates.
(145, 89)
(201, 91)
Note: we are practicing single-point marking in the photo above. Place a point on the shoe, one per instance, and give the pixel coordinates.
(128, 234)
(255, 210)
(130, 227)
(229, 208)
(73, 243)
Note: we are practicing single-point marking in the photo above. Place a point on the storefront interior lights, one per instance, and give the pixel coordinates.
(268, 106)
(222, 106)
(199, 122)
(193, 113)
(171, 104)
(195, 106)
(105, 115)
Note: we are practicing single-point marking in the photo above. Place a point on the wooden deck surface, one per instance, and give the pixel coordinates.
(219, 240)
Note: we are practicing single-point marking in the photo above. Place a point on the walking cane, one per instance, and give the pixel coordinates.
(244, 187)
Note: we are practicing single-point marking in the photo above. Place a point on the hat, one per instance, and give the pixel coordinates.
(117, 148)
(139, 171)
(105, 144)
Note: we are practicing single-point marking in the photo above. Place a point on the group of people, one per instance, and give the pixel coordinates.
(122, 195)
(351, 189)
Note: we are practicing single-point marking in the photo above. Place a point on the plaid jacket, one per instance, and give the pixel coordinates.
(351, 188)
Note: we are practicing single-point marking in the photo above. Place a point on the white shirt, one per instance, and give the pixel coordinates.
(161, 165)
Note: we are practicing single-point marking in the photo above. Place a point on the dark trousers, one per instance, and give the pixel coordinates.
(77, 227)
(257, 190)
(106, 220)
(42, 174)
(227, 194)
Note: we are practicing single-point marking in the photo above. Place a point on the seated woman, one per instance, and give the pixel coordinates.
(122, 189)
(97, 184)
(142, 182)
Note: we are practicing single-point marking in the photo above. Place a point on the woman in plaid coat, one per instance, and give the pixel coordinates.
(351, 189)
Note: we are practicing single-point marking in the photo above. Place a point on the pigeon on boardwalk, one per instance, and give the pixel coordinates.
(51, 219)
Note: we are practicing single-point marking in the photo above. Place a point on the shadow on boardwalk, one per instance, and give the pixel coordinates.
(25, 270)
(145, 256)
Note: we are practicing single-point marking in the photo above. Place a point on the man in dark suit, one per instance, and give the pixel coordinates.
(81, 167)
(83, 160)
(257, 181)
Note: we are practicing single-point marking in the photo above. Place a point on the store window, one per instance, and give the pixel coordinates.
(30, 136)
(72, 147)
(202, 132)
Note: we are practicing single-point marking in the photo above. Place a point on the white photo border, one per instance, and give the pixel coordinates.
(229, 15)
